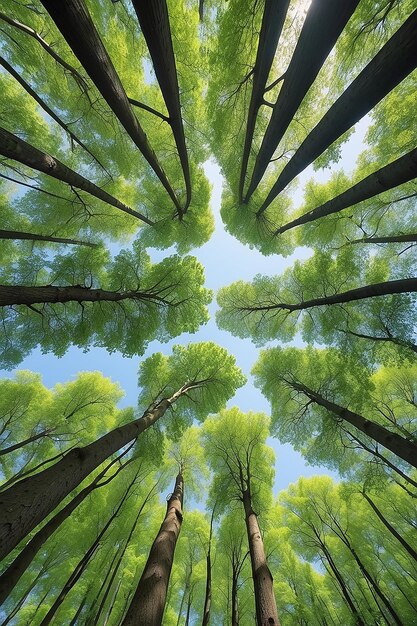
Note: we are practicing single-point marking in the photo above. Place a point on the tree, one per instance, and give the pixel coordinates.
(237, 453)
(197, 369)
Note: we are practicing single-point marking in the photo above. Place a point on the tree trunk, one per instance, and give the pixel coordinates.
(82, 564)
(391, 529)
(75, 24)
(28, 502)
(90, 617)
(234, 599)
(16, 569)
(395, 173)
(19, 294)
(396, 59)
(313, 46)
(111, 606)
(405, 285)
(154, 24)
(15, 148)
(74, 620)
(48, 110)
(20, 235)
(407, 238)
(406, 450)
(272, 22)
(148, 603)
(390, 338)
(21, 602)
(266, 608)
(207, 597)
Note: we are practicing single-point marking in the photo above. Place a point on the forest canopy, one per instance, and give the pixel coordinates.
(165, 508)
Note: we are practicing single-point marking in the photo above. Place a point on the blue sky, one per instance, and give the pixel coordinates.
(225, 260)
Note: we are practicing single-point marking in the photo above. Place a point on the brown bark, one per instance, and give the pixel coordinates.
(234, 598)
(75, 24)
(20, 235)
(406, 238)
(154, 23)
(395, 173)
(396, 59)
(15, 148)
(391, 528)
(266, 608)
(48, 110)
(403, 448)
(19, 294)
(313, 46)
(11, 576)
(82, 564)
(405, 285)
(272, 22)
(28, 502)
(148, 603)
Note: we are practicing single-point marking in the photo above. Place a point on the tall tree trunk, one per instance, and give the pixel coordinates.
(111, 605)
(406, 238)
(78, 612)
(396, 59)
(48, 110)
(234, 598)
(15, 148)
(20, 235)
(406, 450)
(154, 24)
(148, 603)
(21, 602)
(82, 564)
(81, 82)
(395, 173)
(90, 617)
(28, 502)
(272, 22)
(207, 597)
(11, 576)
(120, 557)
(391, 529)
(74, 21)
(313, 46)
(390, 287)
(266, 608)
(20, 294)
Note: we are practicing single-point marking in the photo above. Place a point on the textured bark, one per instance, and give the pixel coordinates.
(396, 59)
(404, 449)
(313, 46)
(405, 285)
(20, 235)
(48, 109)
(19, 294)
(28, 502)
(395, 173)
(11, 576)
(82, 564)
(148, 603)
(405, 238)
(15, 148)
(391, 528)
(74, 21)
(266, 608)
(272, 22)
(154, 23)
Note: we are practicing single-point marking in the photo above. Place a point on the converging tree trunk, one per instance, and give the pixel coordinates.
(28, 502)
(395, 173)
(15, 148)
(18, 235)
(272, 22)
(403, 448)
(266, 608)
(313, 47)
(148, 603)
(11, 576)
(154, 24)
(207, 597)
(396, 59)
(82, 564)
(74, 21)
